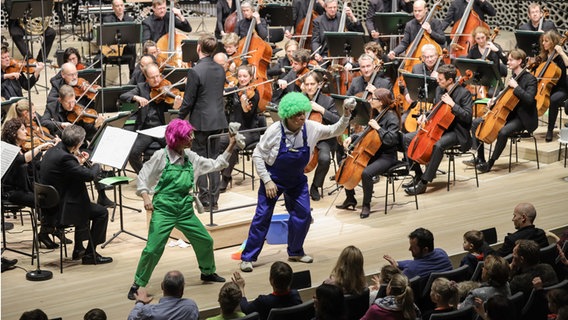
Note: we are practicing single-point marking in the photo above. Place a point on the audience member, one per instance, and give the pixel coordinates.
(444, 294)
(398, 304)
(495, 275)
(329, 303)
(477, 248)
(171, 305)
(281, 296)
(557, 298)
(229, 298)
(523, 219)
(95, 314)
(426, 258)
(379, 288)
(36, 314)
(348, 272)
(497, 307)
(525, 269)
(562, 313)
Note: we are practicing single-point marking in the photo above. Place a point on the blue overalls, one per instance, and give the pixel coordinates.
(287, 173)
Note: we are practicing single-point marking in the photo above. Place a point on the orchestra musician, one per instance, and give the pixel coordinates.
(17, 34)
(224, 10)
(289, 83)
(433, 28)
(242, 107)
(325, 106)
(118, 15)
(382, 6)
(71, 55)
(523, 117)
(330, 22)
(14, 82)
(203, 104)
(458, 133)
(367, 66)
(150, 47)
(138, 73)
(279, 70)
(156, 25)
(457, 9)
(536, 21)
(388, 128)
(485, 47)
(21, 110)
(150, 115)
(230, 43)
(300, 10)
(550, 45)
(243, 25)
(70, 77)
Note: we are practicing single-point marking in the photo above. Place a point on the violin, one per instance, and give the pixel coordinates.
(80, 66)
(84, 88)
(248, 95)
(19, 66)
(80, 113)
(165, 92)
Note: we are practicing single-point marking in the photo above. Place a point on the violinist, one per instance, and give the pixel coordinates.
(14, 76)
(248, 14)
(21, 110)
(457, 9)
(156, 24)
(291, 82)
(242, 107)
(203, 103)
(118, 15)
(330, 22)
(523, 117)
(457, 133)
(550, 46)
(324, 107)
(367, 66)
(230, 43)
(70, 77)
(433, 28)
(485, 48)
(150, 47)
(388, 128)
(69, 55)
(150, 114)
(138, 73)
(382, 6)
(537, 21)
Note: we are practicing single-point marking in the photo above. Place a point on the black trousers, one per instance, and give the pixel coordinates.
(324, 161)
(448, 139)
(17, 34)
(140, 145)
(557, 98)
(513, 125)
(96, 225)
(208, 184)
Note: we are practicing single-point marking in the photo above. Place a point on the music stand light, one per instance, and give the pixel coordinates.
(189, 51)
(345, 44)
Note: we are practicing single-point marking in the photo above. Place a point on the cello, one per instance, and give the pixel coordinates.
(306, 26)
(170, 45)
(547, 74)
(234, 18)
(462, 39)
(318, 117)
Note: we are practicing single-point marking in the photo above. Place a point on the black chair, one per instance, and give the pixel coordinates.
(517, 137)
(250, 316)
(490, 235)
(508, 258)
(517, 300)
(357, 305)
(548, 254)
(462, 314)
(275, 34)
(458, 275)
(12, 208)
(304, 311)
(560, 285)
(536, 306)
(301, 280)
(452, 153)
(399, 171)
(476, 276)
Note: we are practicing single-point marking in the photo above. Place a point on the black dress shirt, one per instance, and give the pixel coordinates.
(151, 115)
(358, 84)
(546, 25)
(526, 108)
(154, 28)
(243, 26)
(462, 111)
(411, 30)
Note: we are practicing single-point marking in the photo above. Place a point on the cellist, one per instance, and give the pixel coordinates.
(367, 66)
(433, 28)
(522, 117)
(457, 133)
(388, 128)
(250, 13)
(537, 22)
(156, 24)
(457, 9)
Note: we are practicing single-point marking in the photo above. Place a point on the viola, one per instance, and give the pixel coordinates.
(19, 66)
(84, 88)
(81, 113)
(165, 92)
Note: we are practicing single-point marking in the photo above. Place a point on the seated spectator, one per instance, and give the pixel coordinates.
(329, 303)
(494, 278)
(171, 305)
(523, 219)
(282, 295)
(229, 298)
(398, 304)
(562, 314)
(348, 272)
(426, 258)
(525, 268)
(497, 307)
(379, 288)
(477, 248)
(557, 298)
(444, 294)
(36, 314)
(95, 314)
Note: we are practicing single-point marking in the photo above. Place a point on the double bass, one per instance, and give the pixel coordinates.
(234, 18)
(462, 39)
(305, 27)
(547, 73)
(170, 45)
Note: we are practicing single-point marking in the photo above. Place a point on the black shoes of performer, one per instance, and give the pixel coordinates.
(471, 162)
(484, 167)
(105, 202)
(96, 259)
(46, 242)
(64, 240)
(225, 183)
(207, 206)
(8, 264)
(314, 193)
(419, 188)
(349, 202)
(365, 211)
(412, 182)
(212, 278)
(132, 291)
(78, 253)
(548, 137)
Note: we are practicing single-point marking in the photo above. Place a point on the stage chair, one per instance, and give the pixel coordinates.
(9, 207)
(301, 280)
(458, 275)
(563, 140)
(452, 153)
(476, 276)
(304, 311)
(490, 235)
(399, 171)
(516, 137)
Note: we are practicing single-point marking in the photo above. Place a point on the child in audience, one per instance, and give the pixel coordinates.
(557, 298)
(398, 304)
(477, 249)
(379, 288)
(444, 294)
(229, 298)
(281, 296)
(497, 307)
(348, 272)
(95, 314)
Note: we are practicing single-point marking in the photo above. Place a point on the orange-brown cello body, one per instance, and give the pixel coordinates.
(318, 117)
(306, 31)
(547, 74)
(495, 119)
(462, 39)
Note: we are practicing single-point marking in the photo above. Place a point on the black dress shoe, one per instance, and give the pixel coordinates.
(365, 212)
(314, 193)
(471, 162)
(348, 203)
(133, 289)
(212, 278)
(9, 262)
(46, 242)
(78, 254)
(96, 259)
(225, 183)
(412, 182)
(484, 167)
(420, 188)
(207, 207)
(548, 137)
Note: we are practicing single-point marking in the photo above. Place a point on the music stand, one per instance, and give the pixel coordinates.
(175, 75)
(107, 99)
(362, 112)
(345, 44)
(189, 50)
(7, 104)
(391, 23)
(418, 85)
(529, 41)
(277, 15)
(485, 73)
(30, 9)
(119, 33)
(92, 74)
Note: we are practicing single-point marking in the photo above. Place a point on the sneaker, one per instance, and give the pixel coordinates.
(305, 259)
(132, 291)
(212, 278)
(246, 266)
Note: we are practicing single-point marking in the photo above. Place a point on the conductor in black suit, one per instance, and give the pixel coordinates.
(63, 168)
(156, 25)
(203, 104)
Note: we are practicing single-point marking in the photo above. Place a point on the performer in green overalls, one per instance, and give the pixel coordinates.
(170, 175)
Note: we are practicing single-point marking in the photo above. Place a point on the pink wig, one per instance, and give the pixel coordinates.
(178, 132)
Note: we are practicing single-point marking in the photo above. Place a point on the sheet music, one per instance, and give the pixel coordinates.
(9, 153)
(156, 132)
(114, 147)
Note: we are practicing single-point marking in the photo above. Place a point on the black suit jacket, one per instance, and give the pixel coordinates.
(462, 111)
(526, 108)
(153, 28)
(61, 169)
(358, 84)
(54, 115)
(143, 90)
(411, 30)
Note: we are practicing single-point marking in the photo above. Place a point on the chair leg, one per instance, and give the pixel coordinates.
(387, 193)
(475, 169)
(536, 152)
(449, 172)
(510, 152)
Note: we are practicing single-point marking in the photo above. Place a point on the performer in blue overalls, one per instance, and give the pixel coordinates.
(280, 158)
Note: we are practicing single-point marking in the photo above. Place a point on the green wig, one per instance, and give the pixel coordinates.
(293, 103)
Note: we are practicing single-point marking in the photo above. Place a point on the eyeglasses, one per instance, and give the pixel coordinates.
(71, 74)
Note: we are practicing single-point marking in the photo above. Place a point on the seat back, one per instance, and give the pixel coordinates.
(490, 235)
(45, 196)
(250, 316)
(304, 311)
(357, 305)
(548, 254)
(301, 280)
(476, 276)
(458, 275)
(462, 314)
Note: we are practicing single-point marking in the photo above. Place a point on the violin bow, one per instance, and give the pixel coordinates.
(166, 91)
(247, 87)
